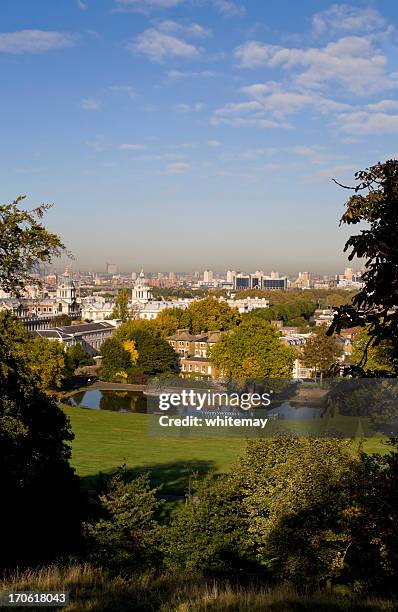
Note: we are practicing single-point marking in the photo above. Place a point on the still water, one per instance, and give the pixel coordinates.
(117, 401)
(135, 401)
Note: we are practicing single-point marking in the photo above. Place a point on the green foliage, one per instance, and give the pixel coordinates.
(374, 202)
(47, 361)
(209, 533)
(294, 313)
(24, 244)
(253, 350)
(321, 351)
(126, 536)
(121, 308)
(209, 314)
(155, 355)
(115, 360)
(169, 321)
(76, 357)
(295, 493)
(39, 489)
(61, 320)
(373, 357)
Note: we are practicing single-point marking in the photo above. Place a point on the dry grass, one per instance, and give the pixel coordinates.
(93, 590)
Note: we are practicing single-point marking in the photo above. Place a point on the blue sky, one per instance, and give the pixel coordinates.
(185, 134)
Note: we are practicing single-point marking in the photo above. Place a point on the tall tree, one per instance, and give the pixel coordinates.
(24, 244)
(121, 308)
(375, 203)
(321, 351)
(209, 314)
(253, 350)
(40, 507)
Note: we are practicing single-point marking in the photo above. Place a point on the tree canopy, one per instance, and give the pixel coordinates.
(253, 350)
(24, 244)
(375, 203)
(321, 351)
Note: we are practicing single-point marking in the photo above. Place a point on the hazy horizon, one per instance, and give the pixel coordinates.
(193, 134)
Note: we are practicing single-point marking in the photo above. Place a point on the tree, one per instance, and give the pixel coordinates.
(121, 308)
(321, 351)
(116, 361)
(155, 355)
(41, 503)
(126, 536)
(253, 350)
(296, 494)
(129, 346)
(168, 321)
(209, 532)
(209, 314)
(61, 320)
(380, 357)
(24, 244)
(374, 202)
(47, 362)
(76, 357)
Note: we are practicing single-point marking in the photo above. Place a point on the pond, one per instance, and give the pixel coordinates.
(135, 401)
(117, 401)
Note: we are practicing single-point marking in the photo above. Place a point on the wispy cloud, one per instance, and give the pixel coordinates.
(132, 147)
(83, 6)
(360, 123)
(124, 89)
(34, 41)
(270, 104)
(90, 104)
(338, 172)
(189, 108)
(178, 168)
(229, 8)
(214, 143)
(351, 62)
(176, 75)
(194, 30)
(146, 5)
(157, 45)
(346, 19)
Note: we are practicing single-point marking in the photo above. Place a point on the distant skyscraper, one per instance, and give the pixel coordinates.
(111, 268)
(348, 274)
(208, 276)
(231, 276)
(274, 275)
(134, 276)
(304, 280)
(172, 276)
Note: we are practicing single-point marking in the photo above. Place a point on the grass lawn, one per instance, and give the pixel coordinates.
(106, 440)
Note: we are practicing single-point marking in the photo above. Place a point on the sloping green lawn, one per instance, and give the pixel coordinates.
(106, 440)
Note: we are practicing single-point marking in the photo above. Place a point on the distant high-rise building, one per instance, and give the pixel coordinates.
(274, 275)
(348, 274)
(172, 277)
(208, 276)
(303, 281)
(111, 268)
(196, 274)
(160, 276)
(134, 276)
(230, 276)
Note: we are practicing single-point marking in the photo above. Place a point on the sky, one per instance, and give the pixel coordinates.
(192, 134)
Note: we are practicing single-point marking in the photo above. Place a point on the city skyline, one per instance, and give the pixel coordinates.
(176, 132)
